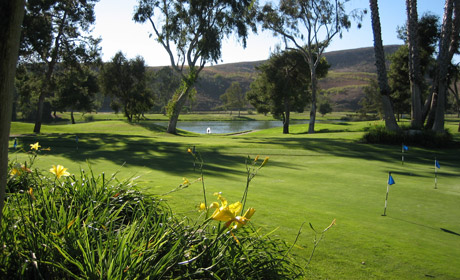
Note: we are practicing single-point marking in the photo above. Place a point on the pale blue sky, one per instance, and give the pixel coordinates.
(119, 32)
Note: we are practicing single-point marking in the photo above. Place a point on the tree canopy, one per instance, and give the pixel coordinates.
(234, 97)
(191, 32)
(125, 81)
(308, 26)
(282, 85)
(57, 32)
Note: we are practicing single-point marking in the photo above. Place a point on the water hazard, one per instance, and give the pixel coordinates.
(223, 127)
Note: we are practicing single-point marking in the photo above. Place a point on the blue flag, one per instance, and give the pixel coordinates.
(405, 148)
(15, 145)
(436, 163)
(390, 180)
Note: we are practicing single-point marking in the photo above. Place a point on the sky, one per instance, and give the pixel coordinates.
(119, 32)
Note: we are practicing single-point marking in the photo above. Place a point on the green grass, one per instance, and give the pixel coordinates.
(309, 178)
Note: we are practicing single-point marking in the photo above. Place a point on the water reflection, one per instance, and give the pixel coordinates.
(227, 126)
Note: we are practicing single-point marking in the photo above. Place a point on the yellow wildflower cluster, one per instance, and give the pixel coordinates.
(229, 213)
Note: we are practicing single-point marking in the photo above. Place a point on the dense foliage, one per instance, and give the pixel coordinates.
(282, 85)
(125, 81)
(82, 226)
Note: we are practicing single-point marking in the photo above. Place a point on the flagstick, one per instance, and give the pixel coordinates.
(435, 175)
(402, 154)
(386, 201)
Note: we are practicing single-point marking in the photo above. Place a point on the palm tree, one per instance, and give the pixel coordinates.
(390, 120)
(414, 64)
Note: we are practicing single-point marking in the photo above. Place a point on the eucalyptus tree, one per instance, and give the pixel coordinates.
(11, 15)
(191, 32)
(390, 120)
(309, 27)
(282, 85)
(57, 32)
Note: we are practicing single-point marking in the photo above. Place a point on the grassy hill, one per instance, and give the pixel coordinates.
(350, 71)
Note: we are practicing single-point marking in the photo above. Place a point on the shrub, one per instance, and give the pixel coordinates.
(424, 138)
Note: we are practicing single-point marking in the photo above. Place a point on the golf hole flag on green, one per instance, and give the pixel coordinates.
(436, 167)
(390, 182)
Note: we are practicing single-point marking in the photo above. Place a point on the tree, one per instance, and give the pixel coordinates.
(448, 45)
(164, 83)
(324, 107)
(125, 81)
(454, 76)
(76, 90)
(372, 100)
(57, 32)
(282, 85)
(398, 81)
(390, 120)
(195, 30)
(309, 27)
(428, 34)
(234, 97)
(11, 15)
(415, 76)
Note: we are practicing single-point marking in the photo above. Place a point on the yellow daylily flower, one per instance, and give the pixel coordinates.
(31, 193)
(24, 168)
(227, 213)
(214, 205)
(15, 172)
(241, 221)
(35, 146)
(186, 181)
(59, 171)
(189, 150)
(202, 207)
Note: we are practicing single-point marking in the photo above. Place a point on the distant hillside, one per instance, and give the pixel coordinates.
(350, 71)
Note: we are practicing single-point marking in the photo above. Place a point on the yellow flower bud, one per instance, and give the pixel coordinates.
(265, 161)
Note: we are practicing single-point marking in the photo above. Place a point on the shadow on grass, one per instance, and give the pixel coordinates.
(425, 226)
(355, 149)
(140, 151)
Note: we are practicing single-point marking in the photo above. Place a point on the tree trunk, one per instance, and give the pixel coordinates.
(49, 73)
(177, 107)
(442, 66)
(286, 115)
(390, 120)
(414, 64)
(38, 118)
(314, 84)
(71, 116)
(11, 15)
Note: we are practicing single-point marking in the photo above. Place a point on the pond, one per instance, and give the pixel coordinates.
(227, 126)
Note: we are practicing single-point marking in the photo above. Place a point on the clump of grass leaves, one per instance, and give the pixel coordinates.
(95, 227)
